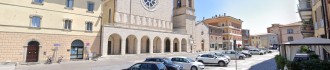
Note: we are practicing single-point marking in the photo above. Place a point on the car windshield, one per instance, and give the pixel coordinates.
(190, 60)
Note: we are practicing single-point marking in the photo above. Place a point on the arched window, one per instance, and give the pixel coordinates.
(179, 3)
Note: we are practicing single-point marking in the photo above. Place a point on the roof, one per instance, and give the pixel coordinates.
(150, 62)
(309, 41)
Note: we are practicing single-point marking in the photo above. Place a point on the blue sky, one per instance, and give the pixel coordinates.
(256, 14)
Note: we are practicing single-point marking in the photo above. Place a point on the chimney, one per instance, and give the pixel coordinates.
(224, 14)
(203, 18)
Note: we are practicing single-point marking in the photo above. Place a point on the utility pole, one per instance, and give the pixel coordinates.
(236, 52)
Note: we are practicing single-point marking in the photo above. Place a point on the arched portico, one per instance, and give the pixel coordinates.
(114, 44)
(176, 45)
(184, 45)
(145, 44)
(167, 45)
(157, 45)
(131, 44)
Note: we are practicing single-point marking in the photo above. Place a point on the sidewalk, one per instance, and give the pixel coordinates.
(7, 66)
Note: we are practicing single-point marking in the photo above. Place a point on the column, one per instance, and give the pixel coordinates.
(162, 47)
(171, 46)
(151, 46)
(123, 46)
(138, 47)
(179, 45)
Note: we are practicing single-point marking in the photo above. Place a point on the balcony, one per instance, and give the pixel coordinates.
(307, 29)
(305, 9)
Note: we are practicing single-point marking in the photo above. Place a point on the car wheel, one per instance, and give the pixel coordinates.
(222, 64)
(261, 54)
(201, 61)
(193, 68)
(241, 58)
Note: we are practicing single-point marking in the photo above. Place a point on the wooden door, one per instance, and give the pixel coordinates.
(32, 53)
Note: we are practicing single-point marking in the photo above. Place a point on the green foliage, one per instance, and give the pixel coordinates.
(304, 49)
(280, 61)
(313, 56)
(313, 64)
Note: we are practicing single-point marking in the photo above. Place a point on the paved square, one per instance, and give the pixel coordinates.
(257, 62)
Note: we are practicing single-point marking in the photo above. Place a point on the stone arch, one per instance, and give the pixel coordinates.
(145, 44)
(77, 49)
(184, 45)
(114, 44)
(131, 44)
(176, 45)
(167, 45)
(157, 45)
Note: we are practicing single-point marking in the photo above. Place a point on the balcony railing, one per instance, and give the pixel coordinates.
(304, 5)
(307, 29)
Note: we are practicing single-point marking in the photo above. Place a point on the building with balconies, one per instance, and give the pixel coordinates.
(246, 37)
(231, 29)
(305, 12)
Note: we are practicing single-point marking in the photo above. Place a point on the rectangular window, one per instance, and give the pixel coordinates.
(89, 26)
(290, 38)
(90, 6)
(69, 4)
(67, 24)
(38, 1)
(290, 31)
(35, 21)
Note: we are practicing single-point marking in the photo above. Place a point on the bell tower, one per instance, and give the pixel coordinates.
(184, 18)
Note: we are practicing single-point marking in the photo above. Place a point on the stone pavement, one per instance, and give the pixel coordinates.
(118, 62)
(7, 66)
(113, 62)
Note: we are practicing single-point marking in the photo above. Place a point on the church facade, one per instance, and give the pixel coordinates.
(147, 26)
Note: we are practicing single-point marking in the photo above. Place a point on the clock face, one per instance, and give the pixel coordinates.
(149, 4)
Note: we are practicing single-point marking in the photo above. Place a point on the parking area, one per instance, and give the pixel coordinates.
(118, 62)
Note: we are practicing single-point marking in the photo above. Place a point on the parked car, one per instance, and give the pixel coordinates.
(266, 50)
(234, 55)
(167, 62)
(212, 59)
(187, 63)
(256, 51)
(222, 55)
(248, 55)
(147, 66)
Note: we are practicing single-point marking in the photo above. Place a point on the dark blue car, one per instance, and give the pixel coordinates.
(167, 62)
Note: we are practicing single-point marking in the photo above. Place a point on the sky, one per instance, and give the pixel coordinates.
(257, 15)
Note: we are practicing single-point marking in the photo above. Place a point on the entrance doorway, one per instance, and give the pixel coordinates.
(32, 54)
(77, 50)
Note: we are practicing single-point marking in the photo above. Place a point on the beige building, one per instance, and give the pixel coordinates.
(287, 32)
(202, 37)
(33, 30)
(269, 40)
(216, 41)
(147, 27)
(231, 30)
(255, 41)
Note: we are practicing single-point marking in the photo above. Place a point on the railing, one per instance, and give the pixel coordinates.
(305, 5)
(142, 22)
(307, 28)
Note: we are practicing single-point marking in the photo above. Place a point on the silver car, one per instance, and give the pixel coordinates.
(234, 55)
(187, 63)
(222, 55)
